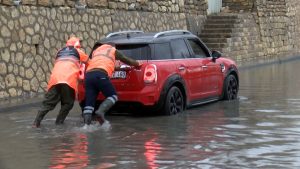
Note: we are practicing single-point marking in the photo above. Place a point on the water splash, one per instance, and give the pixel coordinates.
(94, 127)
(243, 98)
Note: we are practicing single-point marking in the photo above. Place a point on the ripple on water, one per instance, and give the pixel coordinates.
(243, 98)
(293, 99)
(197, 147)
(295, 129)
(235, 126)
(288, 116)
(268, 111)
(105, 165)
(265, 151)
(266, 124)
(223, 136)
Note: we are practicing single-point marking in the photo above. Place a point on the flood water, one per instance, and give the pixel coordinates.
(260, 130)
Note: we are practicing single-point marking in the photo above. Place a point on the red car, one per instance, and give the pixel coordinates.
(178, 71)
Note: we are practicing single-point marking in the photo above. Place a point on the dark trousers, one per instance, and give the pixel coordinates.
(62, 93)
(96, 82)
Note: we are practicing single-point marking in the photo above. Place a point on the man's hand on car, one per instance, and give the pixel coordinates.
(139, 64)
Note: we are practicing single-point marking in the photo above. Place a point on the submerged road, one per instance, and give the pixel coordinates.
(260, 130)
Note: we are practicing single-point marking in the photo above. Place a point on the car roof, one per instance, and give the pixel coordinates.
(145, 38)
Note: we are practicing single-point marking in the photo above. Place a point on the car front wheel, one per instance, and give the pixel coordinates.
(230, 90)
(174, 102)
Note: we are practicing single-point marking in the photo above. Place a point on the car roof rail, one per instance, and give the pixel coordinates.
(123, 32)
(171, 32)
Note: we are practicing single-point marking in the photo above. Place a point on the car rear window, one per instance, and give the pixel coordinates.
(162, 51)
(135, 51)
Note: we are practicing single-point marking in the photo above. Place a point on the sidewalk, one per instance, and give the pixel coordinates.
(18, 103)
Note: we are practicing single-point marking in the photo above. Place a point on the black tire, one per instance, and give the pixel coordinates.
(231, 87)
(174, 103)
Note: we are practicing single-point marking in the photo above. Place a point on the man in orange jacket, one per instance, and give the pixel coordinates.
(62, 85)
(97, 79)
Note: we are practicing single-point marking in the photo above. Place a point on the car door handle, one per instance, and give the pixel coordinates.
(204, 67)
(181, 68)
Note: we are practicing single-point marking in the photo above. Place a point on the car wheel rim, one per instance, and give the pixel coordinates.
(176, 103)
(232, 89)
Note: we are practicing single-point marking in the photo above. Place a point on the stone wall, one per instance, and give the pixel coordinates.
(148, 22)
(293, 13)
(245, 45)
(238, 5)
(31, 34)
(170, 6)
(30, 38)
(279, 26)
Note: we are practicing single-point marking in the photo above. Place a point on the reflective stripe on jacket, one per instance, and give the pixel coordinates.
(66, 68)
(103, 58)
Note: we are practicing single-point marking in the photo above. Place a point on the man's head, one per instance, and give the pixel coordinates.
(73, 41)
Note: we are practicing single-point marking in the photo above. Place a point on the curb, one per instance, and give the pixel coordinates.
(271, 62)
(16, 104)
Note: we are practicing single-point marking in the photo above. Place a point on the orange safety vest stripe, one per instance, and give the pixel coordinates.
(103, 58)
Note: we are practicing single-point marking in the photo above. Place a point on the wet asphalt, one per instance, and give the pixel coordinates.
(259, 130)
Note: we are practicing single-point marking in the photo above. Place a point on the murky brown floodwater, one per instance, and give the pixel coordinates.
(261, 130)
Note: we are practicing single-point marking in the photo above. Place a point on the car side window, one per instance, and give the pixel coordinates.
(179, 49)
(197, 49)
(162, 51)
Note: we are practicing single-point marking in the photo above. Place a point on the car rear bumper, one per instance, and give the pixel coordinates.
(148, 96)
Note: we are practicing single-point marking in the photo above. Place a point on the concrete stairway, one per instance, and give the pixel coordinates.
(217, 29)
(235, 35)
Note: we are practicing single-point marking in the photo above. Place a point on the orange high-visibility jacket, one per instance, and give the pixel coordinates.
(103, 58)
(66, 67)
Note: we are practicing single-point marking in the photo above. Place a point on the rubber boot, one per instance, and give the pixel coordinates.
(87, 115)
(103, 108)
(100, 118)
(39, 117)
(87, 118)
(61, 118)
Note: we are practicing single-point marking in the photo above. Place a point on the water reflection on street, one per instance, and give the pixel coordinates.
(260, 130)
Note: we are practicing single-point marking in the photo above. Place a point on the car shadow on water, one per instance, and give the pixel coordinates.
(229, 108)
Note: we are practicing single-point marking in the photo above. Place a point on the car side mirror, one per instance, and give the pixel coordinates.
(216, 54)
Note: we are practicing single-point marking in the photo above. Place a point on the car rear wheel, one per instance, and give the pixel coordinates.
(174, 102)
(230, 89)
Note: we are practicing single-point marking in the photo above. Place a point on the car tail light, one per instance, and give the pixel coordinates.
(150, 74)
